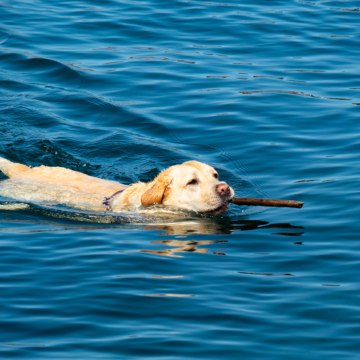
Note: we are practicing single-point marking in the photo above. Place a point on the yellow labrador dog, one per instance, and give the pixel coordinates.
(190, 186)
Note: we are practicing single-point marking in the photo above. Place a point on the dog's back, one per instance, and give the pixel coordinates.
(11, 169)
(59, 177)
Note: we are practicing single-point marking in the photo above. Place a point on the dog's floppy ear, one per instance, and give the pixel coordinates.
(156, 193)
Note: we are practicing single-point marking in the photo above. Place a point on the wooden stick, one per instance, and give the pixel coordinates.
(267, 202)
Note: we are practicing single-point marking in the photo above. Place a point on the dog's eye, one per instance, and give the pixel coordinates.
(216, 176)
(192, 182)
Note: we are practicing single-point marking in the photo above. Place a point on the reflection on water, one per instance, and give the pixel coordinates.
(169, 222)
(168, 225)
(192, 227)
(204, 226)
(183, 246)
(170, 248)
(257, 224)
(182, 227)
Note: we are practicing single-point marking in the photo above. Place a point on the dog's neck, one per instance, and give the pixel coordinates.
(131, 196)
(153, 192)
(107, 200)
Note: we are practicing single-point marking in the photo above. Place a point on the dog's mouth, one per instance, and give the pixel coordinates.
(219, 210)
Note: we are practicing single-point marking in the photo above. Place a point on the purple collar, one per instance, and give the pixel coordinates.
(107, 199)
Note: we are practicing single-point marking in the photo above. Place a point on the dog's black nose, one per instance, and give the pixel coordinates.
(223, 189)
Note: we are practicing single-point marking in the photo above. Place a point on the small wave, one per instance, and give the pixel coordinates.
(298, 93)
(4, 35)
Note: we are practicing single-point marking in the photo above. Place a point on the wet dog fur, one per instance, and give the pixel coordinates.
(192, 186)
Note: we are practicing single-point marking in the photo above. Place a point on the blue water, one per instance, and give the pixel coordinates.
(267, 92)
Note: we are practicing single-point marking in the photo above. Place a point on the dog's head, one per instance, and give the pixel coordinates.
(192, 186)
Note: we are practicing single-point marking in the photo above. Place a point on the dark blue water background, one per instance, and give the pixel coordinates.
(265, 91)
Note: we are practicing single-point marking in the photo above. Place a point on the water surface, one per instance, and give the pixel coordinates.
(266, 92)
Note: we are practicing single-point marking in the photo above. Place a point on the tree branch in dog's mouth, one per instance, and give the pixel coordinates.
(267, 202)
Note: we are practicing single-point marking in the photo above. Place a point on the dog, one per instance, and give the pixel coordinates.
(192, 186)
